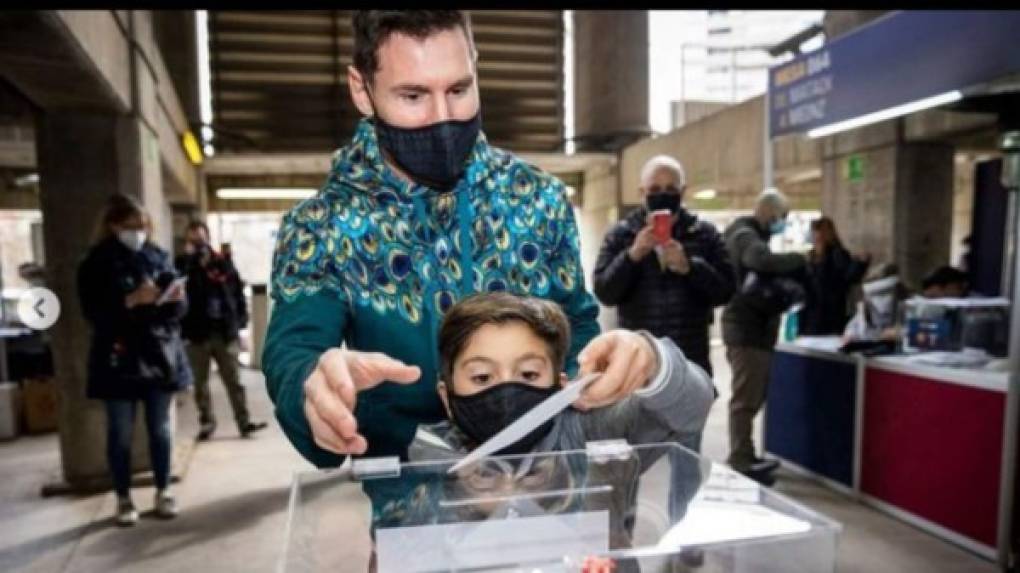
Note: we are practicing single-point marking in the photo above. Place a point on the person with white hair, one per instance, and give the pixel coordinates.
(667, 287)
(750, 323)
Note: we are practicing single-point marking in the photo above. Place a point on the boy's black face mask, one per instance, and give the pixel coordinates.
(484, 414)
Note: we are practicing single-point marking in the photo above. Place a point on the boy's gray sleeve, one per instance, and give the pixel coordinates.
(673, 407)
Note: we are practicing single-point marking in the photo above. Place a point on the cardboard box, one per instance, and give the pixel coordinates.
(41, 405)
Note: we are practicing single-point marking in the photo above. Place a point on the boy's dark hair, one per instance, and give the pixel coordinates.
(373, 27)
(543, 317)
(944, 276)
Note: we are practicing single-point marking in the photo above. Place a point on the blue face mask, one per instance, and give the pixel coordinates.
(777, 227)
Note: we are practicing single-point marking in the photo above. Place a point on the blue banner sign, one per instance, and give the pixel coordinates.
(900, 58)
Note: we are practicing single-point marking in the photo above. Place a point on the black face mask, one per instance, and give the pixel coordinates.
(663, 200)
(484, 414)
(434, 155)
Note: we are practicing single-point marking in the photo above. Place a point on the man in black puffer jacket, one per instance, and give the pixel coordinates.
(668, 290)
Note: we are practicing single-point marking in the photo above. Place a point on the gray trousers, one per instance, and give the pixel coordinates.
(225, 353)
(750, 367)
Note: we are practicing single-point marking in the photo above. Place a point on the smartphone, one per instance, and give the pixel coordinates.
(662, 226)
(165, 295)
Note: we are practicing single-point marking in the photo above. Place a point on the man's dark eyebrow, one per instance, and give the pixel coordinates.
(464, 82)
(413, 88)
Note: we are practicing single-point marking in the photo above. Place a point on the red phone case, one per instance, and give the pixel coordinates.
(661, 226)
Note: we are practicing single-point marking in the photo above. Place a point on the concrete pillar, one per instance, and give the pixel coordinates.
(83, 158)
(923, 229)
(611, 78)
(899, 206)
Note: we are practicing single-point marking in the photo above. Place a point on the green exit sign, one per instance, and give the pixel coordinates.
(855, 168)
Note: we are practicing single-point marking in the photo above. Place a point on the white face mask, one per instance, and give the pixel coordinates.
(132, 239)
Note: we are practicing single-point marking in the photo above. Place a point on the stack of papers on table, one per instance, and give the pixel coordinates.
(825, 343)
(968, 358)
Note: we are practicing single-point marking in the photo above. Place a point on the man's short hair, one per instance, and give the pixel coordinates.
(775, 199)
(373, 27)
(944, 276)
(663, 162)
(544, 318)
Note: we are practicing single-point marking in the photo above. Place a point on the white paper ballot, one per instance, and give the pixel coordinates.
(165, 295)
(545, 538)
(714, 522)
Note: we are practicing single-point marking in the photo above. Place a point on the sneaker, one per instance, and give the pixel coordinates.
(127, 515)
(763, 477)
(252, 427)
(765, 464)
(206, 431)
(166, 506)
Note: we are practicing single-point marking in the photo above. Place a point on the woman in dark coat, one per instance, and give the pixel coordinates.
(128, 295)
(832, 271)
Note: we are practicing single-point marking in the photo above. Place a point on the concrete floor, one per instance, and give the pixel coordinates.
(233, 501)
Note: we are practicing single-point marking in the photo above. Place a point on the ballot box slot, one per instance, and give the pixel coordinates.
(376, 468)
(556, 493)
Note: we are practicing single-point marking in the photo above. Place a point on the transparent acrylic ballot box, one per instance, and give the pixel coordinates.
(649, 508)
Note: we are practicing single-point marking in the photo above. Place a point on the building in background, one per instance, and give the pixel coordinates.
(716, 56)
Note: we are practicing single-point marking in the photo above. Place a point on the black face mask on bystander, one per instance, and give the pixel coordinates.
(663, 200)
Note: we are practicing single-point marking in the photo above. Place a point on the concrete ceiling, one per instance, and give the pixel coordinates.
(279, 79)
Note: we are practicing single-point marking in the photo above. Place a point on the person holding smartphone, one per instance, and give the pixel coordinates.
(663, 267)
(130, 296)
(212, 328)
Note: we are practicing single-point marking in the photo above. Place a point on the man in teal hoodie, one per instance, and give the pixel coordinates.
(418, 212)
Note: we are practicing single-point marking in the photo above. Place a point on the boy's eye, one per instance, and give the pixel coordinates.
(531, 375)
(481, 378)
(411, 97)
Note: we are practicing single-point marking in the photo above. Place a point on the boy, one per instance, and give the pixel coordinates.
(501, 355)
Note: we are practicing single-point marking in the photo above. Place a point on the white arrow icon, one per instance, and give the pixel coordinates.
(38, 308)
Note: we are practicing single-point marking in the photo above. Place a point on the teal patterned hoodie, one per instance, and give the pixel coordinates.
(374, 261)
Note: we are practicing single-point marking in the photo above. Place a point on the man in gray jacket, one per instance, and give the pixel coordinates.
(749, 330)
